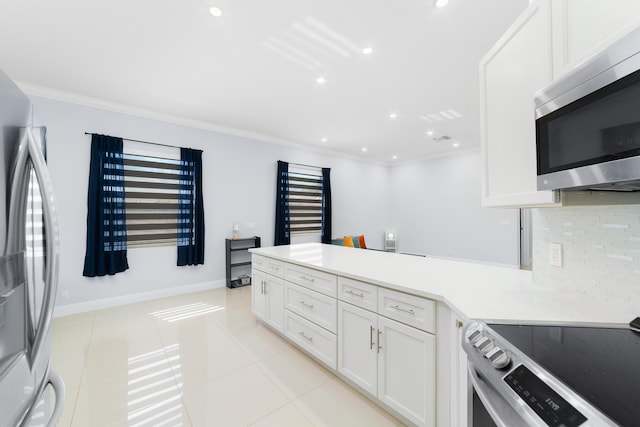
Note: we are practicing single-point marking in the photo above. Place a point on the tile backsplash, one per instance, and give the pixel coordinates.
(600, 249)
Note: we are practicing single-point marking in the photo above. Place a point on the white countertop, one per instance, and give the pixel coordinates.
(476, 291)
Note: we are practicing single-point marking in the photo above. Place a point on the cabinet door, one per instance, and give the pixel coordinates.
(584, 27)
(406, 371)
(517, 66)
(274, 294)
(258, 302)
(357, 349)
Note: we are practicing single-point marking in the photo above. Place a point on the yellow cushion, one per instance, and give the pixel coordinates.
(348, 241)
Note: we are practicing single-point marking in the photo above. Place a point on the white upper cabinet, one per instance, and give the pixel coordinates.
(581, 28)
(547, 40)
(517, 66)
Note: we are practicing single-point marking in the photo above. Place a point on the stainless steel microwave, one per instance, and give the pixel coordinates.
(588, 123)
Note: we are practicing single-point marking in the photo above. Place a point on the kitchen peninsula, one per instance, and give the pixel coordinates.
(390, 324)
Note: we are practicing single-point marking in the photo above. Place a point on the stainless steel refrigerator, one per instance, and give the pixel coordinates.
(28, 267)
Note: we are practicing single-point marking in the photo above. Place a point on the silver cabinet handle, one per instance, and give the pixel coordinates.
(305, 304)
(308, 279)
(265, 287)
(371, 328)
(305, 337)
(411, 312)
(379, 340)
(355, 294)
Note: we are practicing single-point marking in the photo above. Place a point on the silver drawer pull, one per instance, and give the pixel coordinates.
(308, 279)
(355, 294)
(397, 307)
(305, 337)
(305, 304)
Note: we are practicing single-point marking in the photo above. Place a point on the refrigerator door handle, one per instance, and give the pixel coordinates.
(51, 232)
(58, 388)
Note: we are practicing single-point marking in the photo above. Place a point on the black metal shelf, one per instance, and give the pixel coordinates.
(238, 264)
(237, 246)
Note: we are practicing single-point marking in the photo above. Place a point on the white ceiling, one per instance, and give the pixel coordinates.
(254, 69)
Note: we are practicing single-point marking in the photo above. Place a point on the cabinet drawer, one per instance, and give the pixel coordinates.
(319, 342)
(364, 295)
(258, 262)
(319, 281)
(268, 265)
(320, 309)
(411, 310)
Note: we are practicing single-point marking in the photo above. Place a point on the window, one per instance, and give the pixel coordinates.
(305, 200)
(152, 187)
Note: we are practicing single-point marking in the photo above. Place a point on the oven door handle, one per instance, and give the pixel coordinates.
(481, 387)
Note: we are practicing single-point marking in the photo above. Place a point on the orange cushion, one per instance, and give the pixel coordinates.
(348, 242)
(361, 240)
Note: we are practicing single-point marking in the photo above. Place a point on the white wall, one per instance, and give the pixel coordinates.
(239, 186)
(434, 204)
(436, 211)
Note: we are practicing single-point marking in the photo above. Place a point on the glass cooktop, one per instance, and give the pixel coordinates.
(600, 364)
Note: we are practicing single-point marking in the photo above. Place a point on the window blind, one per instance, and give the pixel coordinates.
(305, 201)
(152, 198)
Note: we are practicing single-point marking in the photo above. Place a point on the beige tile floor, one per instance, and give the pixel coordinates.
(196, 360)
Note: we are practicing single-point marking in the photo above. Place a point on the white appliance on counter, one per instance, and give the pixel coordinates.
(28, 267)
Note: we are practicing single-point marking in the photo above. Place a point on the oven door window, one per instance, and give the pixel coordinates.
(481, 417)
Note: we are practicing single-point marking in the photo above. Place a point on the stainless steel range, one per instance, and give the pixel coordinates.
(542, 375)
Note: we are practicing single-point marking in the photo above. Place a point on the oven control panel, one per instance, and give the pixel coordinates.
(549, 405)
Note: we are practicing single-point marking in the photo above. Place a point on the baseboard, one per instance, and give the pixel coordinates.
(69, 309)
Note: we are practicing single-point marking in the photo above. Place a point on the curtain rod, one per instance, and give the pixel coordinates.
(137, 140)
(306, 166)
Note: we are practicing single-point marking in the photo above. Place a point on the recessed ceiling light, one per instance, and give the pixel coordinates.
(321, 80)
(364, 149)
(429, 132)
(324, 140)
(441, 3)
(393, 115)
(367, 50)
(456, 145)
(394, 157)
(215, 11)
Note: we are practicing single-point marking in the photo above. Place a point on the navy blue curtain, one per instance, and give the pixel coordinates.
(282, 236)
(326, 206)
(191, 209)
(106, 220)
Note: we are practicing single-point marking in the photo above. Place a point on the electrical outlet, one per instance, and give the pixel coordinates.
(555, 254)
(64, 294)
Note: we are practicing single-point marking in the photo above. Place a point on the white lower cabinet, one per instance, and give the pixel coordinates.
(357, 349)
(268, 299)
(381, 340)
(406, 370)
(390, 360)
